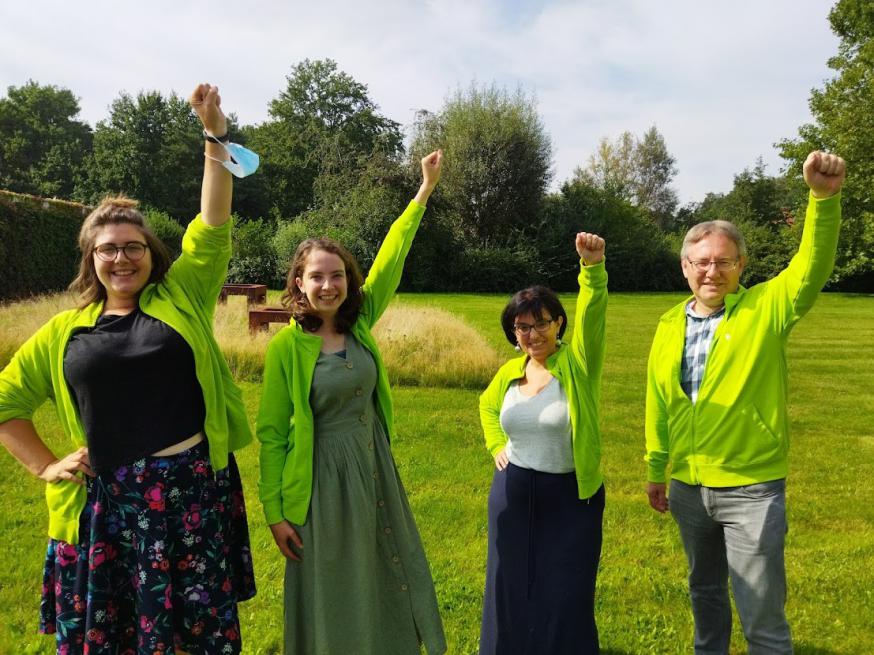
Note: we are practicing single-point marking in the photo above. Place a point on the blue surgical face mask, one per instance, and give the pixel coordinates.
(242, 161)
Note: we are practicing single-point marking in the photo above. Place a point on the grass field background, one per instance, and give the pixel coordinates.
(642, 604)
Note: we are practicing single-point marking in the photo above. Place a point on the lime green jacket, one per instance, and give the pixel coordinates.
(185, 300)
(737, 432)
(285, 419)
(577, 367)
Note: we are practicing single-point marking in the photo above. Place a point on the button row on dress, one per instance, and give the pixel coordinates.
(380, 502)
(348, 364)
(387, 530)
(359, 391)
(362, 418)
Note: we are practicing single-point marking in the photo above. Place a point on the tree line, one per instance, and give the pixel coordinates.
(333, 164)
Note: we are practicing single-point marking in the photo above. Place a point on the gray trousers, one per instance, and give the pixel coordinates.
(737, 533)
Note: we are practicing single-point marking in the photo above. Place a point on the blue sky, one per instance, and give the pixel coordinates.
(722, 81)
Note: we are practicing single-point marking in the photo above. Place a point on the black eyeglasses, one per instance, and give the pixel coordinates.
(109, 251)
(540, 326)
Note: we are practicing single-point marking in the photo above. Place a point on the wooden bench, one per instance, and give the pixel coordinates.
(255, 293)
(261, 317)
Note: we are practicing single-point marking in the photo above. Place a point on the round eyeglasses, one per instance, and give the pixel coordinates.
(525, 328)
(109, 251)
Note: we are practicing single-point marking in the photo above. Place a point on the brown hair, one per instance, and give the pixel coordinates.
(115, 210)
(296, 300)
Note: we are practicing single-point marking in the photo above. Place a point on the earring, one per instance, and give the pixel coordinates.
(558, 342)
(517, 347)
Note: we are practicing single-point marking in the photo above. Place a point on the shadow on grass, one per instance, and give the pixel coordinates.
(807, 649)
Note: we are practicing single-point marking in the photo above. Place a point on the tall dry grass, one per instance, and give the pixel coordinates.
(421, 346)
(425, 346)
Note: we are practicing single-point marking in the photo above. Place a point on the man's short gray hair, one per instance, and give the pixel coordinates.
(703, 230)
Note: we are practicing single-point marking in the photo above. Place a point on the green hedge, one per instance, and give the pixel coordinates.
(38, 252)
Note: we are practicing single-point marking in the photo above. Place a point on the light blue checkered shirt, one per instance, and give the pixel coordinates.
(699, 336)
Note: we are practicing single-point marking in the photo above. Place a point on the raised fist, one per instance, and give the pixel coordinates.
(824, 173)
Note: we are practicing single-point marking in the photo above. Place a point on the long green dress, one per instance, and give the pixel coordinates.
(363, 586)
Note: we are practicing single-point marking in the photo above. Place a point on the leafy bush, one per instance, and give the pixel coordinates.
(166, 229)
(254, 260)
(38, 251)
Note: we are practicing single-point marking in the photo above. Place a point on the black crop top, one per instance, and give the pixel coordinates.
(133, 380)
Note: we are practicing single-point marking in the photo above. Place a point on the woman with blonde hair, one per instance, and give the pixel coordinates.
(148, 541)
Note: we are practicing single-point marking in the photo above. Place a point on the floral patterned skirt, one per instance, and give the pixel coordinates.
(162, 560)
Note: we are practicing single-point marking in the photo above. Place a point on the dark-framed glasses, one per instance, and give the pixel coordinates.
(134, 250)
(722, 265)
(525, 328)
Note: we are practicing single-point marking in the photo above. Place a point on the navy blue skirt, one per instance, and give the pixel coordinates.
(543, 555)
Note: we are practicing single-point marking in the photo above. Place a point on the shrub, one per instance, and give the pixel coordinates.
(38, 251)
(166, 229)
(254, 260)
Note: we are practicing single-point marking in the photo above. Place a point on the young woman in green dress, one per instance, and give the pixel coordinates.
(356, 578)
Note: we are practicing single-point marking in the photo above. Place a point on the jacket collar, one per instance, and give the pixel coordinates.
(678, 312)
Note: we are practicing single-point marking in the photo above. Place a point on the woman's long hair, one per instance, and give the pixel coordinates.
(116, 210)
(296, 301)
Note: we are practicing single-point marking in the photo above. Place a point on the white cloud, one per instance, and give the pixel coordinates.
(722, 81)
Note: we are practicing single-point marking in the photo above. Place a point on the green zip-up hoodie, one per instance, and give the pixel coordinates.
(185, 300)
(737, 432)
(577, 367)
(285, 418)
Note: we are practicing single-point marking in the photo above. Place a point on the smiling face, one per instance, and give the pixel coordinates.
(324, 282)
(122, 278)
(538, 345)
(710, 287)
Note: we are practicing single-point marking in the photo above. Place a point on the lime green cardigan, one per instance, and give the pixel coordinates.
(285, 418)
(737, 432)
(184, 300)
(577, 366)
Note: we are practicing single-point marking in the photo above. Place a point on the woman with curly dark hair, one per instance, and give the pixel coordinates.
(356, 576)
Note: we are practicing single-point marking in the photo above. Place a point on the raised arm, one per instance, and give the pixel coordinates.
(796, 288)
(217, 187)
(388, 266)
(588, 340)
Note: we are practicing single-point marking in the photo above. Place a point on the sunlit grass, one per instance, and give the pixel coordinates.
(642, 606)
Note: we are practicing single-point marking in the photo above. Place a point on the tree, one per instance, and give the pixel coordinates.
(639, 256)
(150, 148)
(323, 120)
(498, 159)
(766, 210)
(639, 171)
(42, 145)
(842, 114)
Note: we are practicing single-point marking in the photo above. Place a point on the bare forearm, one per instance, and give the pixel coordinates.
(21, 440)
(217, 188)
(424, 193)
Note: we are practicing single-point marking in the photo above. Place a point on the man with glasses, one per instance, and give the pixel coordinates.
(716, 412)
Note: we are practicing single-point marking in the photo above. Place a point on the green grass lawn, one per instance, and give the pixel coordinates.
(642, 604)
